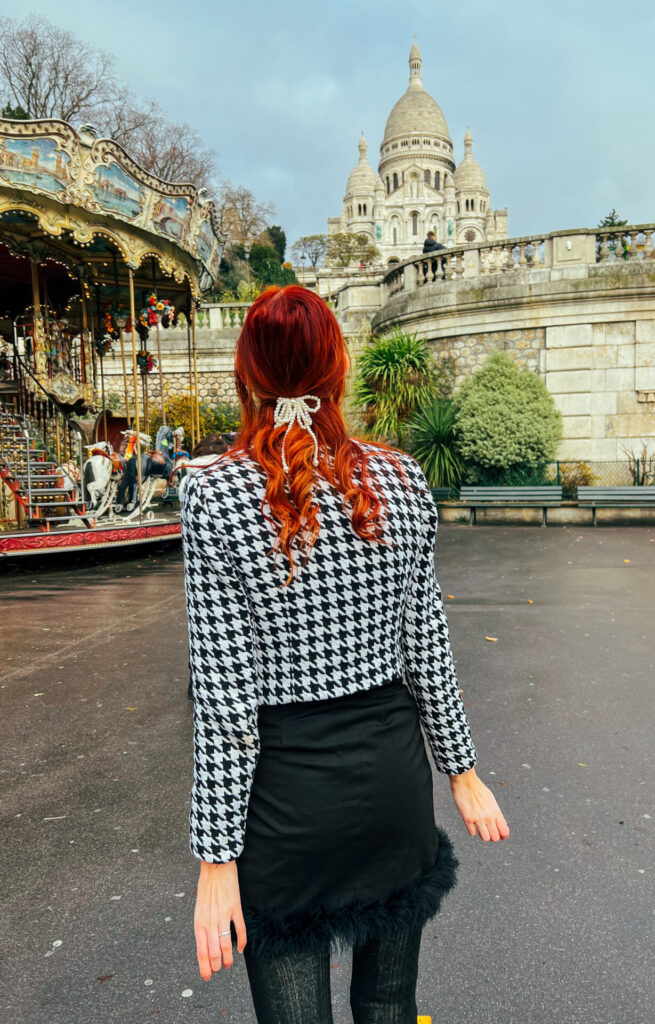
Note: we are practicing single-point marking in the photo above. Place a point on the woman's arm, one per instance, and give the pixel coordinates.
(433, 682)
(428, 658)
(226, 737)
(225, 686)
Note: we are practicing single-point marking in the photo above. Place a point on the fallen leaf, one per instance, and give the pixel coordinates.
(569, 563)
(581, 764)
(503, 783)
(626, 560)
(492, 638)
(131, 709)
(104, 977)
(530, 601)
(451, 597)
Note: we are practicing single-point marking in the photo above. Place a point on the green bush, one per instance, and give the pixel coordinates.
(506, 420)
(432, 443)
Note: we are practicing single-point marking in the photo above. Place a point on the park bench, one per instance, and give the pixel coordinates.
(441, 494)
(615, 497)
(544, 498)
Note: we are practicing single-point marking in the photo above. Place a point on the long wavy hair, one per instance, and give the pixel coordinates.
(291, 345)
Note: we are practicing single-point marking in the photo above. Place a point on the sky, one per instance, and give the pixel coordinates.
(560, 95)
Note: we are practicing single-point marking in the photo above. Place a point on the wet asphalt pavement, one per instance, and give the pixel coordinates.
(555, 924)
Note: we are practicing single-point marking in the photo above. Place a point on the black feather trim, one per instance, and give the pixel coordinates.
(309, 929)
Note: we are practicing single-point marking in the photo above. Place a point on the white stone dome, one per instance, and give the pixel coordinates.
(469, 174)
(415, 113)
(363, 178)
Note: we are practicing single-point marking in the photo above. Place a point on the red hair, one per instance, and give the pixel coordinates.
(291, 345)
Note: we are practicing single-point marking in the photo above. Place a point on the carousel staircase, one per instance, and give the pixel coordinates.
(34, 479)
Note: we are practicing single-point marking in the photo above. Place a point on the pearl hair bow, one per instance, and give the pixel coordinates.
(289, 409)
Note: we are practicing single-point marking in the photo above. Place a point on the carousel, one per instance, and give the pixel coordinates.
(98, 260)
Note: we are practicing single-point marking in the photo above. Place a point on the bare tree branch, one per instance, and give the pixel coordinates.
(50, 73)
(240, 214)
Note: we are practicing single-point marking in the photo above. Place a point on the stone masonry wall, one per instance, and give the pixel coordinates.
(471, 351)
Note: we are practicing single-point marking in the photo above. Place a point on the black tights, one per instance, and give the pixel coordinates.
(294, 988)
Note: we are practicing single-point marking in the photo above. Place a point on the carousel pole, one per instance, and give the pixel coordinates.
(137, 454)
(146, 403)
(188, 345)
(57, 436)
(120, 331)
(85, 324)
(195, 373)
(101, 334)
(104, 405)
(127, 400)
(161, 372)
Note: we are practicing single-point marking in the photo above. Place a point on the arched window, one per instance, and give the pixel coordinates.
(394, 235)
(388, 185)
(436, 179)
(445, 180)
(395, 181)
(473, 204)
(426, 177)
(359, 209)
(414, 217)
(458, 205)
(364, 209)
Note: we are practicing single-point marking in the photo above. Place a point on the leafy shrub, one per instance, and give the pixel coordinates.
(506, 418)
(432, 442)
(394, 376)
(573, 475)
(215, 417)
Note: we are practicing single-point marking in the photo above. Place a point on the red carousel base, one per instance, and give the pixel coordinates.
(31, 543)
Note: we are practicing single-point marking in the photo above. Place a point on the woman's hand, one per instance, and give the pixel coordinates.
(217, 903)
(477, 806)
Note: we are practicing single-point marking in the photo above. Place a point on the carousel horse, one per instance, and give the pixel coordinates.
(101, 466)
(158, 463)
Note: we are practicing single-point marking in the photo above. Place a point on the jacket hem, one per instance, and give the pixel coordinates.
(310, 928)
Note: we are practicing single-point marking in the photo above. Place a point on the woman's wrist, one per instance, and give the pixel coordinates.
(463, 778)
(210, 866)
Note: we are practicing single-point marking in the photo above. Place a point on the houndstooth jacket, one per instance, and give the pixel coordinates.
(358, 614)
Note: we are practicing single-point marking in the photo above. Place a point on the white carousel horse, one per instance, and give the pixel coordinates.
(101, 472)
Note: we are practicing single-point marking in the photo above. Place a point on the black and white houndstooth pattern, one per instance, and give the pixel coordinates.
(358, 614)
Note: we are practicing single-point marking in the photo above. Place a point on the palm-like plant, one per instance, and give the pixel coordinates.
(433, 443)
(394, 376)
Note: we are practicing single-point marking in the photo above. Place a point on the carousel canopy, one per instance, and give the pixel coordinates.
(63, 191)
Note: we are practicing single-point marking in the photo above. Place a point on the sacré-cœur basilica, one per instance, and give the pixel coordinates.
(418, 187)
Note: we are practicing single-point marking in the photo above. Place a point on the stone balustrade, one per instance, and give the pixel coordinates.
(511, 256)
(220, 316)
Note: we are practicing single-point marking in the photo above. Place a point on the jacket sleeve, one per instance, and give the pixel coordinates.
(428, 658)
(225, 685)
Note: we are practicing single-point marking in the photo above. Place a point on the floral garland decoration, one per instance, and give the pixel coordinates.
(145, 361)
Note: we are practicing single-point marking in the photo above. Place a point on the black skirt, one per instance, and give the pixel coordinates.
(341, 842)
